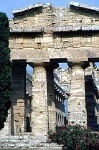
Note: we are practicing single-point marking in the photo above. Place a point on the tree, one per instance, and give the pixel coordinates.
(5, 69)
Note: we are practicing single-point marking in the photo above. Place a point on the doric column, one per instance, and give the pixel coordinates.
(51, 99)
(39, 115)
(18, 97)
(76, 103)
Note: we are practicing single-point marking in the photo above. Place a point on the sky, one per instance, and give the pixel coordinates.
(8, 6)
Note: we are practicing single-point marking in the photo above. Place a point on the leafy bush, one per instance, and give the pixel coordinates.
(75, 138)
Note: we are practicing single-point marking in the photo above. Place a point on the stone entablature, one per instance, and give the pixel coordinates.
(43, 28)
(26, 30)
(75, 28)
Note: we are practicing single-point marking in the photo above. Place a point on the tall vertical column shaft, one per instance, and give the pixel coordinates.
(76, 103)
(39, 116)
(18, 97)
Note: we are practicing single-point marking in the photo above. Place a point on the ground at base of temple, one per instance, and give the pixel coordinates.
(27, 142)
(36, 148)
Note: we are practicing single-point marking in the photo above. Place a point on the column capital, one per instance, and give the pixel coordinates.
(77, 64)
(46, 65)
(36, 64)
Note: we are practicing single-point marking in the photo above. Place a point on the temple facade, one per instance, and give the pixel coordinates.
(44, 36)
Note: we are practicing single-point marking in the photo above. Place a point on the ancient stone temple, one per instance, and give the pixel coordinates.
(44, 36)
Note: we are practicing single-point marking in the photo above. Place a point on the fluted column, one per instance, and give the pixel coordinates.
(76, 103)
(18, 97)
(39, 116)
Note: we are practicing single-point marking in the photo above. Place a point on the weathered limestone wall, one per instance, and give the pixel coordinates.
(37, 43)
(73, 19)
(49, 32)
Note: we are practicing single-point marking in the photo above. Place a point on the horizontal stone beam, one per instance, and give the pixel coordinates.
(31, 30)
(69, 28)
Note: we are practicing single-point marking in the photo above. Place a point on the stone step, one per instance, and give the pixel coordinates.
(33, 143)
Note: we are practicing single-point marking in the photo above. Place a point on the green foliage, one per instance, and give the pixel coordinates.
(5, 68)
(76, 138)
